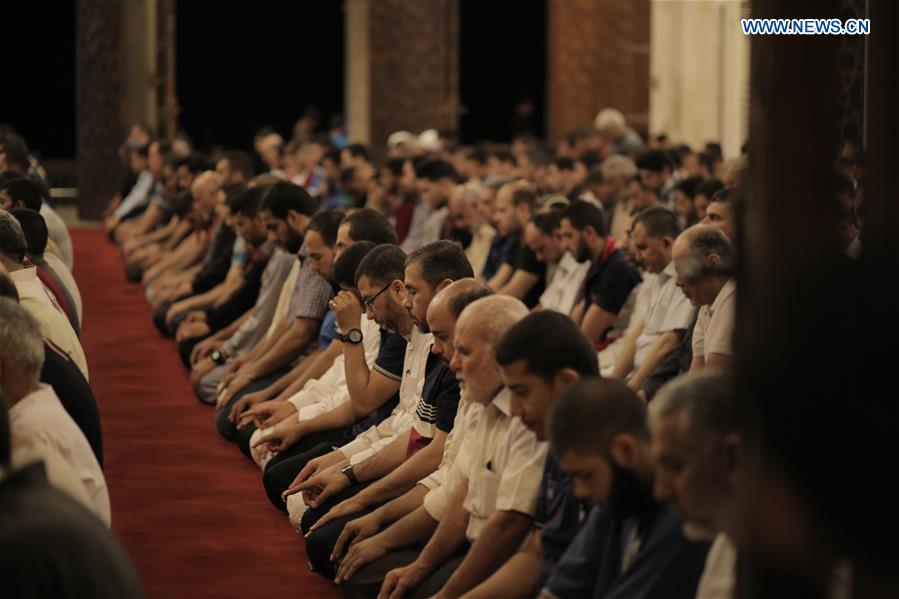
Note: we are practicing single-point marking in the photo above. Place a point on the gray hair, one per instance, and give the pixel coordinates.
(12, 238)
(619, 166)
(21, 342)
(494, 315)
(712, 240)
(704, 401)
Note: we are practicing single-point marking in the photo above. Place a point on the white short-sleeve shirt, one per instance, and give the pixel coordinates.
(503, 463)
(667, 309)
(714, 330)
(400, 420)
(41, 416)
(562, 292)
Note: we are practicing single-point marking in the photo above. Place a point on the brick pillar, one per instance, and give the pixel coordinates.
(598, 58)
(402, 67)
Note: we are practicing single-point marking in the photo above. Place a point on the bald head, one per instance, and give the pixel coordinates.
(206, 190)
(703, 240)
(490, 317)
(703, 257)
(445, 308)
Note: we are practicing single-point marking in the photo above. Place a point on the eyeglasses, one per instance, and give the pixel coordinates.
(367, 303)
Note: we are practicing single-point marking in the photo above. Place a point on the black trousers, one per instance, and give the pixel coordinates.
(367, 581)
(320, 544)
(282, 469)
(227, 429)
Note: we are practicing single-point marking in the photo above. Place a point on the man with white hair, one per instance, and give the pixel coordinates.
(35, 410)
(697, 452)
(469, 227)
(613, 128)
(703, 257)
(490, 496)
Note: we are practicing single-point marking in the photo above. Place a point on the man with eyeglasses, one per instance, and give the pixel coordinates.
(702, 256)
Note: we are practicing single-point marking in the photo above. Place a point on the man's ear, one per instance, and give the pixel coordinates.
(624, 450)
(442, 285)
(397, 287)
(563, 378)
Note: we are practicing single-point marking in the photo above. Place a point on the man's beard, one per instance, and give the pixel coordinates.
(294, 242)
(583, 252)
(629, 495)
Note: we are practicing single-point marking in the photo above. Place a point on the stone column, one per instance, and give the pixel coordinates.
(598, 58)
(98, 103)
(116, 66)
(402, 67)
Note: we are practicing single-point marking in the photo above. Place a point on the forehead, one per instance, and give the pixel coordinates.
(517, 370)
(412, 274)
(314, 238)
(532, 233)
(669, 434)
(719, 208)
(439, 318)
(343, 231)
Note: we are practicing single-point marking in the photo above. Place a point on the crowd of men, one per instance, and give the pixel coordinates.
(481, 371)
(54, 504)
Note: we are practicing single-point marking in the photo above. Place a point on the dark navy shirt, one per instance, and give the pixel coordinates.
(666, 565)
(559, 516)
(389, 362)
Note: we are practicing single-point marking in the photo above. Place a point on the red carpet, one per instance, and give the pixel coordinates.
(189, 508)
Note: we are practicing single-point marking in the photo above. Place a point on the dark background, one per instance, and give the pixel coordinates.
(238, 70)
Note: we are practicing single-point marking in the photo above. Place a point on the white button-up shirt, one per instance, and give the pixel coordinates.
(41, 416)
(667, 309)
(502, 460)
(565, 285)
(714, 330)
(400, 420)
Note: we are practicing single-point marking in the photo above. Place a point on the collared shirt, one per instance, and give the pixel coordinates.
(463, 427)
(668, 309)
(562, 291)
(312, 292)
(59, 233)
(714, 330)
(250, 332)
(40, 415)
(414, 370)
(609, 281)
(503, 466)
(479, 248)
(138, 197)
(65, 275)
(283, 306)
(719, 575)
(53, 323)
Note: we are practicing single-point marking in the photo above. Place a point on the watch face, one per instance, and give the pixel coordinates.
(354, 336)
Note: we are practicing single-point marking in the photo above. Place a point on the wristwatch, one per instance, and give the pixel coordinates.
(218, 357)
(347, 471)
(353, 336)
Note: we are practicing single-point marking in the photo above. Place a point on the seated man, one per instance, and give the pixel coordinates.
(323, 537)
(33, 297)
(644, 362)
(357, 391)
(327, 236)
(703, 257)
(443, 313)
(46, 531)
(286, 210)
(539, 357)
(485, 509)
(416, 431)
(35, 230)
(630, 547)
(611, 277)
(70, 386)
(183, 263)
(521, 275)
(689, 416)
(565, 275)
(34, 408)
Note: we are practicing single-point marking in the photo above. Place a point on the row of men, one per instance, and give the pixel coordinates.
(55, 503)
(327, 406)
